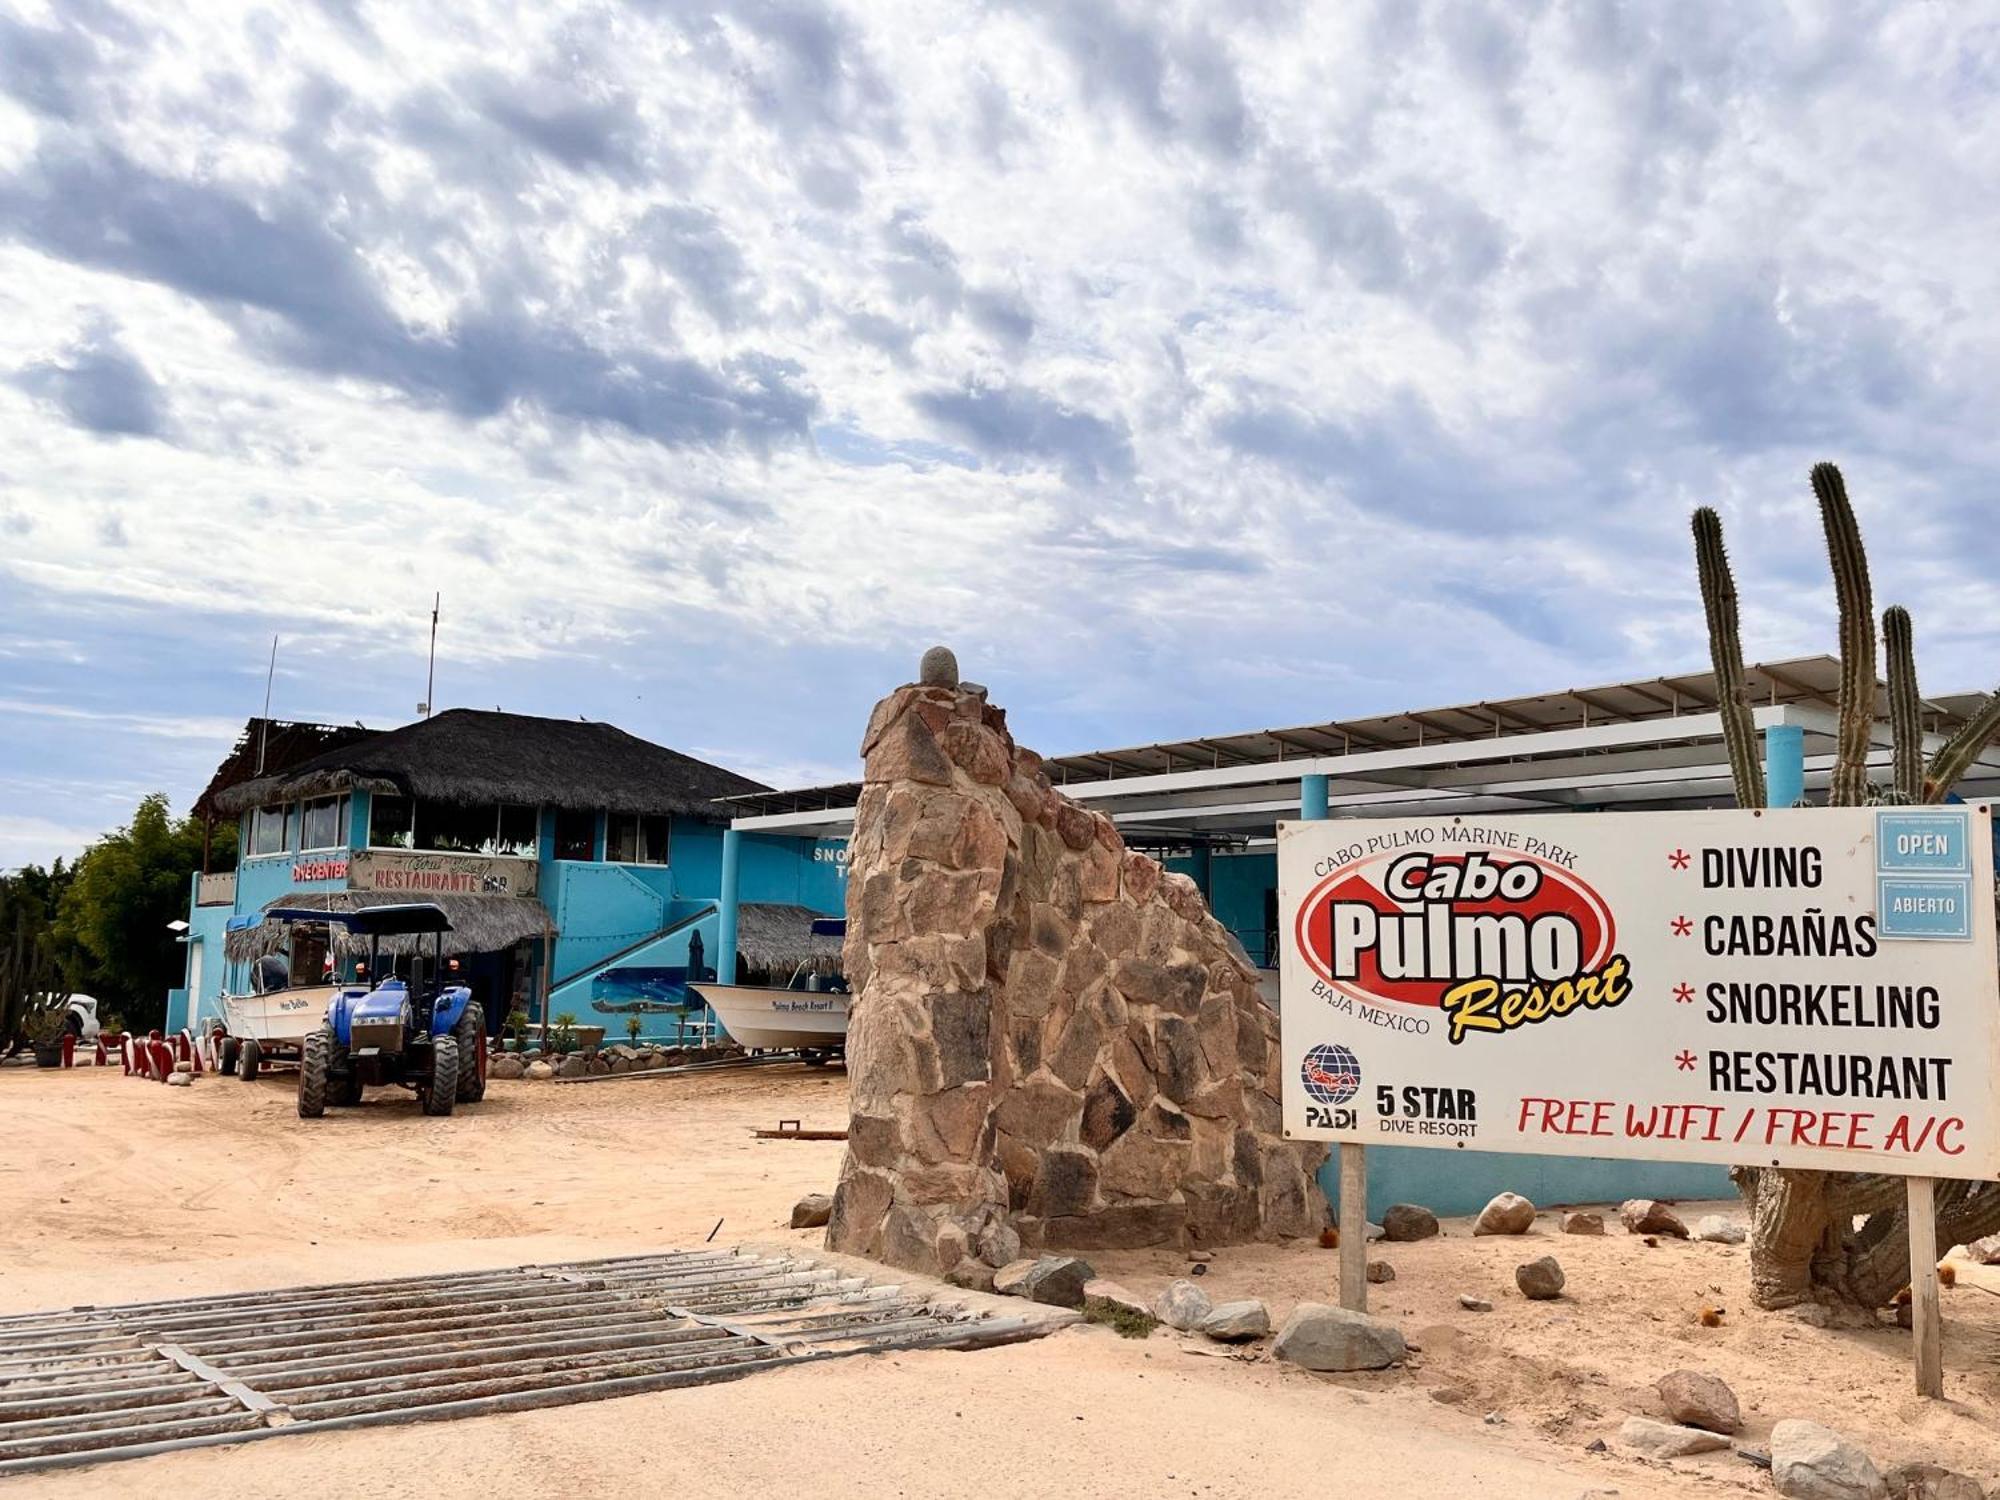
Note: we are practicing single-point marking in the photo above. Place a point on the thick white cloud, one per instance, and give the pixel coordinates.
(1186, 367)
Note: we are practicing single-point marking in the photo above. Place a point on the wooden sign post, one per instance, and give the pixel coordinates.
(1926, 1313)
(1353, 1227)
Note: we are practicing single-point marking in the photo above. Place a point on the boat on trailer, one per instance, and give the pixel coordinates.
(808, 1016)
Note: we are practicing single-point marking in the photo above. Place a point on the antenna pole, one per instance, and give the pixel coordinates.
(430, 675)
(264, 725)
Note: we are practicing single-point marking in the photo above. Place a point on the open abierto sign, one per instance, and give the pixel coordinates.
(1799, 988)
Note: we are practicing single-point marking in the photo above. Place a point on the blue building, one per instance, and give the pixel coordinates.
(580, 864)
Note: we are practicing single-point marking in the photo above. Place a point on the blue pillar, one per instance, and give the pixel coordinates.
(1312, 799)
(1784, 764)
(725, 936)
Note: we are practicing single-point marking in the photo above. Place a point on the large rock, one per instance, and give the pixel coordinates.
(1664, 1440)
(1182, 1305)
(1509, 1213)
(1057, 1280)
(1540, 1280)
(506, 1066)
(1011, 1279)
(538, 1070)
(1645, 1216)
(1319, 1337)
(1921, 1481)
(1582, 1221)
(1408, 1221)
(1811, 1462)
(812, 1211)
(180, 1080)
(1237, 1322)
(1717, 1230)
(1984, 1252)
(1698, 1400)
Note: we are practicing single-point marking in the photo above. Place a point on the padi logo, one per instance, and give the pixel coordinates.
(1331, 1074)
(1493, 940)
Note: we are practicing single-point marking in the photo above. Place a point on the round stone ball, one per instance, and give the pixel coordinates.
(939, 668)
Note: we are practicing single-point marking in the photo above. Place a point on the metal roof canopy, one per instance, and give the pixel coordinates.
(1655, 743)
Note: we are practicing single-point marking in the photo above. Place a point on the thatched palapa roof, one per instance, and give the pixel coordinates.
(775, 938)
(479, 924)
(468, 755)
(269, 747)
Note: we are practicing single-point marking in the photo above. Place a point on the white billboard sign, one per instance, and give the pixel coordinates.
(1810, 987)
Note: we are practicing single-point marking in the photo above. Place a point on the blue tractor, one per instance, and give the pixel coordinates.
(417, 1029)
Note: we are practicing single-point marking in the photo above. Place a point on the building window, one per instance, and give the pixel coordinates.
(517, 832)
(267, 830)
(388, 822)
(455, 828)
(576, 833)
(292, 825)
(636, 839)
(325, 824)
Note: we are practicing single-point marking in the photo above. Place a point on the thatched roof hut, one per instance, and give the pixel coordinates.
(479, 924)
(773, 939)
(467, 755)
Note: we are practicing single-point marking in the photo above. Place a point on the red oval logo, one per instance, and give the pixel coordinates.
(1407, 925)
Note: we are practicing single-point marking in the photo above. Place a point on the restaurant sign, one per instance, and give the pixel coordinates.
(1801, 988)
(417, 875)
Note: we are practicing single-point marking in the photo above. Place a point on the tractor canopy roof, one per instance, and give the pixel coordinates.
(377, 921)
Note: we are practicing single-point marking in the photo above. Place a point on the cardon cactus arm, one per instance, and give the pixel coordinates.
(1905, 703)
(1725, 651)
(1958, 753)
(1857, 638)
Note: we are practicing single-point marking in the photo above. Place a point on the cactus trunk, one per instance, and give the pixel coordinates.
(1725, 651)
(1958, 753)
(1857, 638)
(1906, 719)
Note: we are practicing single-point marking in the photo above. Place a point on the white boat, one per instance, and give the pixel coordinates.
(762, 1017)
(277, 1018)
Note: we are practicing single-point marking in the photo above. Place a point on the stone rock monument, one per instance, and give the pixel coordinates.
(1053, 1043)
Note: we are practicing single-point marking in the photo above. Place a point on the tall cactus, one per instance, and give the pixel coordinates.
(1906, 719)
(1725, 651)
(1956, 755)
(1857, 638)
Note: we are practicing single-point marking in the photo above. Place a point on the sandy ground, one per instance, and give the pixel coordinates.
(140, 1191)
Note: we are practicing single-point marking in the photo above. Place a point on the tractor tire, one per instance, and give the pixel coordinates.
(247, 1059)
(229, 1051)
(440, 1091)
(315, 1057)
(344, 1088)
(471, 1034)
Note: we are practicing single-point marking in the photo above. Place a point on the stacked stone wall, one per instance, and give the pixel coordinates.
(1053, 1042)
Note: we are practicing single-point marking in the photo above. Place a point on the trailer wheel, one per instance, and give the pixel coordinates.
(314, 1059)
(440, 1090)
(246, 1060)
(229, 1051)
(471, 1035)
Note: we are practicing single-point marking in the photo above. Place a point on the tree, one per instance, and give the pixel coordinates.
(114, 912)
(1804, 1245)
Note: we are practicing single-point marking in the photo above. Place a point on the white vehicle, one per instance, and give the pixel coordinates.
(82, 1022)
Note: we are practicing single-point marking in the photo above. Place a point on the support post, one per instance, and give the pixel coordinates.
(1926, 1314)
(1784, 765)
(725, 934)
(1353, 1157)
(1203, 871)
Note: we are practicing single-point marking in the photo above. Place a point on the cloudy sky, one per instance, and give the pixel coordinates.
(1187, 367)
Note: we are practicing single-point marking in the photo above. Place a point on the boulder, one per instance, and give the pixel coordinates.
(1720, 1231)
(1380, 1271)
(1984, 1252)
(1509, 1213)
(1540, 1280)
(973, 1275)
(1237, 1322)
(1057, 1280)
(506, 1066)
(1319, 1337)
(1645, 1216)
(999, 1243)
(1182, 1305)
(1664, 1440)
(1011, 1279)
(1921, 1481)
(1101, 1294)
(1811, 1462)
(812, 1211)
(1404, 1222)
(181, 1080)
(1697, 1400)
(1581, 1221)
(573, 1066)
(538, 1070)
